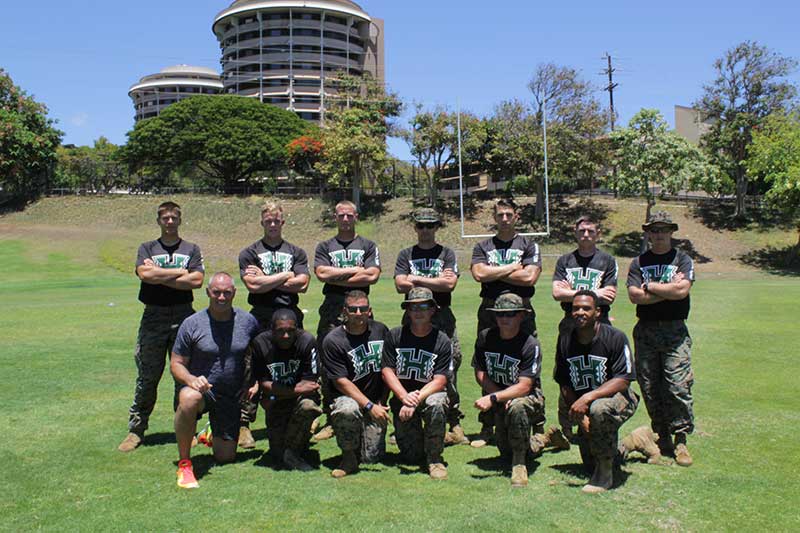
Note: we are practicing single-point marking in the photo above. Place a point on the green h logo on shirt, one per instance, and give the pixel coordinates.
(366, 362)
(414, 364)
(505, 257)
(173, 261)
(659, 273)
(284, 373)
(588, 279)
(588, 376)
(428, 268)
(502, 369)
(347, 258)
(275, 262)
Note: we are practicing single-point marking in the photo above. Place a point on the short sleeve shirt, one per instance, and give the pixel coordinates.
(429, 263)
(584, 368)
(589, 273)
(506, 360)
(359, 252)
(285, 257)
(217, 349)
(416, 360)
(184, 254)
(357, 358)
(494, 252)
(661, 268)
(285, 366)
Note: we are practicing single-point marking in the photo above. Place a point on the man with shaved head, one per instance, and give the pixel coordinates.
(208, 362)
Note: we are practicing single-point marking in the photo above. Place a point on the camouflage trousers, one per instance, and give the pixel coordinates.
(355, 430)
(515, 419)
(157, 331)
(249, 408)
(422, 437)
(664, 372)
(606, 415)
(289, 423)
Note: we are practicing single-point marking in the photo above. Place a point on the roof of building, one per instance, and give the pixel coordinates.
(189, 69)
(342, 6)
(345, 3)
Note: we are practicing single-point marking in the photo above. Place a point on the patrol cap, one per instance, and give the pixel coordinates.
(508, 302)
(660, 218)
(426, 215)
(418, 295)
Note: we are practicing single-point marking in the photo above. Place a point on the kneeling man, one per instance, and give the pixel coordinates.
(417, 362)
(208, 362)
(508, 365)
(285, 365)
(594, 368)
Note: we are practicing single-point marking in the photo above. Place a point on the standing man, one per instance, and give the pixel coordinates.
(508, 365)
(594, 369)
(169, 269)
(274, 272)
(345, 262)
(586, 268)
(505, 263)
(351, 356)
(659, 282)
(416, 366)
(429, 264)
(284, 362)
(208, 362)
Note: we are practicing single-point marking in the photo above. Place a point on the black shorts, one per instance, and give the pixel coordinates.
(224, 413)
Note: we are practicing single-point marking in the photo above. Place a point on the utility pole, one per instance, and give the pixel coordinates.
(610, 87)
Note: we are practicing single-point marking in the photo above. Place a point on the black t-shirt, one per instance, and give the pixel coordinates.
(357, 358)
(661, 268)
(359, 252)
(589, 273)
(416, 360)
(585, 367)
(506, 360)
(495, 252)
(285, 257)
(282, 366)
(184, 254)
(429, 263)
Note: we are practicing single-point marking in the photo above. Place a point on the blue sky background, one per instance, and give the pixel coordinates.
(80, 56)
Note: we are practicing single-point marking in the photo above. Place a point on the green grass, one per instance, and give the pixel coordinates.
(66, 353)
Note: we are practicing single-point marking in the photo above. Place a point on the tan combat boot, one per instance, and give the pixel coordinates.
(246, 439)
(538, 444)
(642, 440)
(602, 479)
(485, 437)
(519, 472)
(437, 471)
(455, 436)
(348, 465)
(682, 455)
(556, 438)
(130, 442)
(323, 434)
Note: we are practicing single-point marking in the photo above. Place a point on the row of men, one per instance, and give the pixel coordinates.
(274, 272)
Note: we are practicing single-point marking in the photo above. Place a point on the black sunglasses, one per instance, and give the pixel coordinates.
(427, 225)
(506, 314)
(420, 307)
(356, 308)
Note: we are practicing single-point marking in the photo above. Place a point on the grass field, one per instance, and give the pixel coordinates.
(68, 328)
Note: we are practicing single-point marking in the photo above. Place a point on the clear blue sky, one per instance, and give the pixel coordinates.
(80, 56)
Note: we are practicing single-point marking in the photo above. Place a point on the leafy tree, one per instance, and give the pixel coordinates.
(28, 142)
(774, 154)
(354, 132)
(227, 138)
(750, 84)
(647, 155)
(97, 167)
(433, 140)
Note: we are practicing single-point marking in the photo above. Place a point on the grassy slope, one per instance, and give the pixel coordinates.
(66, 356)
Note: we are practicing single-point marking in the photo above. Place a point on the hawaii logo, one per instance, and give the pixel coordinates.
(275, 262)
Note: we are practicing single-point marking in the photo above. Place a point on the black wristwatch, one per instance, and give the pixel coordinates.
(645, 288)
(493, 397)
(369, 406)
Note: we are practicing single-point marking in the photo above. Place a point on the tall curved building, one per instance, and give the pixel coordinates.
(282, 51)
(155, 92)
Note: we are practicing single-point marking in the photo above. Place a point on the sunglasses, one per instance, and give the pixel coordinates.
(427, 225)
(420, 307)
(661, 229)
(357, 308)
(505, 314)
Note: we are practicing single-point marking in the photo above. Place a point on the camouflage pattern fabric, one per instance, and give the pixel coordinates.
(446, 321)
(422, 437)
(513, 424)
(157, 331)
(664, 372)
(355, 430)
(606, 415)
(289, 423)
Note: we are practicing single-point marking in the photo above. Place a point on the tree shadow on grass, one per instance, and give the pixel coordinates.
(203, 463)
(158, 439)
(630, 244)
(718, 215)
(499, 466)
(688, 248)
(781, 261)
(563, 215)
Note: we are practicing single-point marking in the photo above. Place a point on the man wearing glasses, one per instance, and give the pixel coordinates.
(416, 365)
(508, 365)
(429, 264)
(659, 282)
(351, 357)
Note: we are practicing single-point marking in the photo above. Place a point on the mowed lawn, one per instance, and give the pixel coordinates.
(66, 361)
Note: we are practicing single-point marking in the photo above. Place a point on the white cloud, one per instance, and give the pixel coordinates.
(79, 119)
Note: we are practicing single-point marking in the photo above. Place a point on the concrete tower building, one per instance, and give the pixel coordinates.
(282, 51)
(155, 92)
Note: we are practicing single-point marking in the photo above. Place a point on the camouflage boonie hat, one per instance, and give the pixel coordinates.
(426, 215)
(418, 295)
(660, 218)
(508, 302)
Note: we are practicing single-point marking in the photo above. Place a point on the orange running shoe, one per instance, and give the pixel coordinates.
(186, 479)
(205, 436)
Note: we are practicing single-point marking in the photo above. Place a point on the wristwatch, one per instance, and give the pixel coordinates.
(493, 397)
(369, 406)
(645, 288)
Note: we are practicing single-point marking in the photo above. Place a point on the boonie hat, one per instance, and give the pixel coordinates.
(660, 218)
(418, 295)
(508, 302)
(426, 215)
